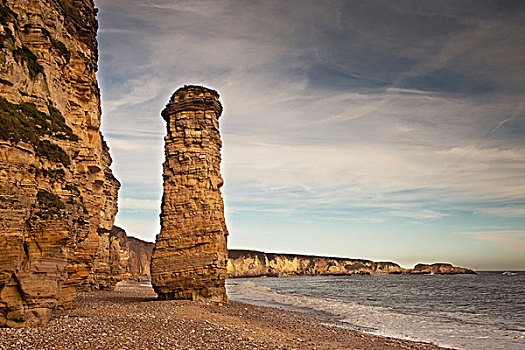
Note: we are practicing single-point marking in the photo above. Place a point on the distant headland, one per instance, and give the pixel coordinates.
(251, 263)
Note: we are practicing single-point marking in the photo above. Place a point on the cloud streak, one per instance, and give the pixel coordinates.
(513, 240)
(358, 113)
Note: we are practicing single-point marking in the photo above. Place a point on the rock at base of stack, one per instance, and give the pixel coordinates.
(189, 260)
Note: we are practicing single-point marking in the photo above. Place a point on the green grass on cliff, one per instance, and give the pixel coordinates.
(24, 54)
(49, 203)
(6, 16)
(58, 45)
(51, 151)
(24, 122)
(198, 89)
(55, 174)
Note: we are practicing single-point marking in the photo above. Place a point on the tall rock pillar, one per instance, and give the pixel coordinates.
(189, 260)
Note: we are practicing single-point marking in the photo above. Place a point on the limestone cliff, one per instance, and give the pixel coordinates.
(189, 260)
(119, 257)
(135, 256)
(57, 192)
(249, 263)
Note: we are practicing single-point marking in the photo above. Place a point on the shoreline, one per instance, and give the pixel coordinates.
(130, 317)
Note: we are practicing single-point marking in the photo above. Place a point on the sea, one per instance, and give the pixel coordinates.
(484, 311)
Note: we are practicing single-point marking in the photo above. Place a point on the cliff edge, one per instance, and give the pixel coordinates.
(58, 196)
(251, 263)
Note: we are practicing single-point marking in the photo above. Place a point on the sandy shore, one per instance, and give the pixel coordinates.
(131, 318)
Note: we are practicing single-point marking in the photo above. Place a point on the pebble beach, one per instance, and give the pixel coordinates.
(130, 317)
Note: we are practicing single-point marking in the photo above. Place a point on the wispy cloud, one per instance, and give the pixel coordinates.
(517, 211)
(418, 214)
(380, 109)
(513, 240)
(134, 203)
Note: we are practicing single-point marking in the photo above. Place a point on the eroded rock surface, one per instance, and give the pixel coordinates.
(135, 256)
(189, 260)
(56, 189)
(119, 258)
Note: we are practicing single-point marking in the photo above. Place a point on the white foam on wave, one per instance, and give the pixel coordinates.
(457, 330)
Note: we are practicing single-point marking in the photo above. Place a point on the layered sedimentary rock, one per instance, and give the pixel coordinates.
(119, 257)
(106, 270)
(189, 260)
(249, 263)
(56, 189)
(135, 256)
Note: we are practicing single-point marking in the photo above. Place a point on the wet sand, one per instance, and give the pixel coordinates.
(130, 318)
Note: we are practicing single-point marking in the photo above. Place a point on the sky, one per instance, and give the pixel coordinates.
(385, 130)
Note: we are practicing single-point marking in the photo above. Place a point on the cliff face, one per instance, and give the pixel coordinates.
(135, 256)
(249, 263)
(119, 258)
(57, 192)
(189, 260)
(106, 270)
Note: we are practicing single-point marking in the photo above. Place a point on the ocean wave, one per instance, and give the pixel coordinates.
(451, 329)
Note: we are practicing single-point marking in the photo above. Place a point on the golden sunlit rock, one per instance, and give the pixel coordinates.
(189, 260)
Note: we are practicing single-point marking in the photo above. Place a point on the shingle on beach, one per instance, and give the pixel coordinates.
(130, 317)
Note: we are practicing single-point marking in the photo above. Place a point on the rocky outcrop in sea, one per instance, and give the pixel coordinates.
(439, 269)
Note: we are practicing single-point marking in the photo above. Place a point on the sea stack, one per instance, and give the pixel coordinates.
(189, 260)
